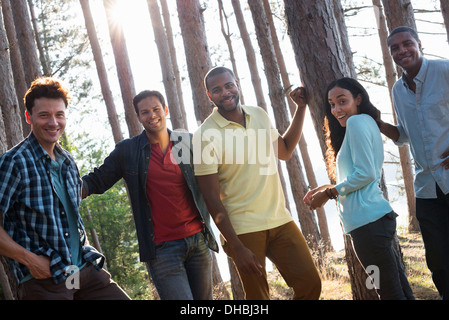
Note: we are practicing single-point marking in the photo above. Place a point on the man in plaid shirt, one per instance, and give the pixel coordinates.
(43, 234)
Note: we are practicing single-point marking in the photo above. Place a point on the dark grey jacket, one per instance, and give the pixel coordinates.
(129, 160)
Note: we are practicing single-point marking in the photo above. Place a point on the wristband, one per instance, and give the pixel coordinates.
(330, 194)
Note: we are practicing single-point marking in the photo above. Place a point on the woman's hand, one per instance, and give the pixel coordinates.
(316, 198)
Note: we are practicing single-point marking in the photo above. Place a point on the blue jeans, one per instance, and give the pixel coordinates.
(433, 218)
(182, 269)
(373, 245)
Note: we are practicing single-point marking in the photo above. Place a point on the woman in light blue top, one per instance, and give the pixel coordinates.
(355, 157)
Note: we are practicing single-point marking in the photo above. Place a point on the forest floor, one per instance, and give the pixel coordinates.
(335, 278)
(334, 275)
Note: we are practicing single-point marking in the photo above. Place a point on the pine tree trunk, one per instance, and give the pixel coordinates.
(305, 215)
(101, 71)
(311, 178)
(26, 41)
(198, 64)
(319, 38)
(123, 66)
(444, 4)
(43, 59)
(250, 55)
(172, 49)
(168, 74)
(227, 36)
(8, 99)
(16, 63)
(197, 54)
(399, 13)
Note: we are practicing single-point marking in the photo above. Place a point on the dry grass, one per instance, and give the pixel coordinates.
(335, 278)
(415, 263)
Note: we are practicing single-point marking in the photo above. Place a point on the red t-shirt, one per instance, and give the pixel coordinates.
(173, 209)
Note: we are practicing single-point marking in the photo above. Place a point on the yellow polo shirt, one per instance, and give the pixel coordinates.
(245, 161)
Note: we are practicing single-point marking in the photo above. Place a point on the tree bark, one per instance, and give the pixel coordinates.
(227, 36)
(101, 71)
(250, 55)
(197, 54)
(26, 41)
(172, 49)
(40, 48)
(399, 13)
(7, 97)
(321, 214)
(199, 63)
(124, 71)
(166, 66)
(320, 42)
(16, 62)
(305, 215)
(444, 4)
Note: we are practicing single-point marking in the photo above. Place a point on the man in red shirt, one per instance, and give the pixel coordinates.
(171, 218)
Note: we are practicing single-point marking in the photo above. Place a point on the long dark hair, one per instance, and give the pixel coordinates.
(334, 132)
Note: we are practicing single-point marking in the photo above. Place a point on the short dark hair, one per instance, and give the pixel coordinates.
(45, 87)
(145, 94)
(214, 71)
(412, 31)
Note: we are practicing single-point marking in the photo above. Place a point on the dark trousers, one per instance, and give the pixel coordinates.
(93, 285)
(433, 218)
(373, 245)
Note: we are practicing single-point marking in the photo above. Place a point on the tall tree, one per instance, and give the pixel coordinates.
(444, 4)
(308, 167)
(250, 54)
(320, 62)
(123, 66)
(168, 74)
(400, 13)
(298, 186)
(173, 56)
(101, 71)
(7, 101)
(16, 62)
(227, 35)
(26, 41)
(42, 57)
(191, 21)
(197, 54)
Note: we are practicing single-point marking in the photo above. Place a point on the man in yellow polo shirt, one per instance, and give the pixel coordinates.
(235, 153)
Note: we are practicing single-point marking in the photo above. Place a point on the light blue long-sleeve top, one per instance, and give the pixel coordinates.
(423, 122)
(359, 168)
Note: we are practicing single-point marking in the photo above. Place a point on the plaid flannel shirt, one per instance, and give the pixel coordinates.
(33, 215)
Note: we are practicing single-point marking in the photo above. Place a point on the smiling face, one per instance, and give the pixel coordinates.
(223, 91)
(406, 51)
(343, 104)
(47, 121)
(152, 115)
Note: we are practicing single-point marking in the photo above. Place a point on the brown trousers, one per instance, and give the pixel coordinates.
(286, 247)
(93, 285)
